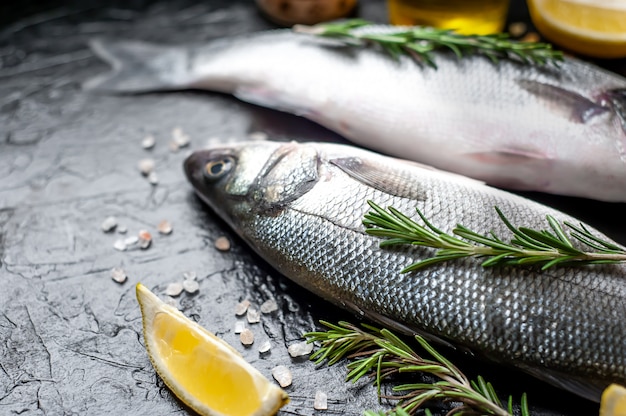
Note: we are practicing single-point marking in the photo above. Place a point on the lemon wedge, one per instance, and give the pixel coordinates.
(202, 370)
(590, 27)
(613, 401)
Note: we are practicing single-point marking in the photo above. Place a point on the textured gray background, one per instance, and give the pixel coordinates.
(70, 338)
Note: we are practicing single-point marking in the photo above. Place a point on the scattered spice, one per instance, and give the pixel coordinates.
(253, 315)
(517, 29)
(282, 375)
(321, 401)
(118, 274)
(109, 224)
(531, 37)
(146, 166)
(299, 349)
(246, 337)
(144, 238)
(239, 327)
(269, 306)
(148, 142)
(164, 227)
(174, 289)
(265, 347)
(190, 286)
(242, 307)
(222, 244)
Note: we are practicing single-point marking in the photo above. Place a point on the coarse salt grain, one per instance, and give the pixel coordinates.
(222, 244)
(164, 227)
(144, 238)
(282, 375)
(109, 224)
(299, 349)
(131, 241)
(118, 274)
(242, 307)
(239, 327)
(122, 229)
(146, 166)
(265, 347)
(153, 178)
(269, 306)
(190, 275)
(321, 401)
(148, 142)
(174, 289)
(190, 286)
(253, 315)
(119, 245)
(246, 337)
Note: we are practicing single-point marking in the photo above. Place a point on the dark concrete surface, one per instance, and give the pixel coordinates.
(70, 337)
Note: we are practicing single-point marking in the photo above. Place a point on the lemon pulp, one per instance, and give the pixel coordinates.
(204, 370)
(590, 27)
(613, 401)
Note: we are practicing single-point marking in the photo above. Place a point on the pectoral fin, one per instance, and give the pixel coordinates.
(618, 101)
(391, 180)
(569, 103)
(509, 156)
(589, 389)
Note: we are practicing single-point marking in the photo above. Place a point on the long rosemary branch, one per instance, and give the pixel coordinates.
(420, 41)
(546, 248)
(381, 354)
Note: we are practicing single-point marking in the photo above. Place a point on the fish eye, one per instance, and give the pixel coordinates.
(215, 169)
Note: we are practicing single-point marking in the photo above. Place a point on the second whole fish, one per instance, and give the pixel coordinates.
(552, 129)
(301, 206)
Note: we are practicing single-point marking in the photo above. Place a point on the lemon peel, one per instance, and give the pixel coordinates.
(590, 27)
(202, 370)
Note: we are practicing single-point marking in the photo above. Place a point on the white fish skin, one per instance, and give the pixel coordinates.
(301, 206)
(557, 130)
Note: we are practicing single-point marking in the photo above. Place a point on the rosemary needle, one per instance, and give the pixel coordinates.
(420, 41)
(545, 248)
(381, 354)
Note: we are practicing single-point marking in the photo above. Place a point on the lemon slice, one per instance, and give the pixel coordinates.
(590, 27)
(613, 401)
(204, 371)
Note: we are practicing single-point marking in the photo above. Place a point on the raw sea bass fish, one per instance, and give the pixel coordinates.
(300, 206)
(558, 130)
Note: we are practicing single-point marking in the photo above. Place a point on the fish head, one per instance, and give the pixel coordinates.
(242, 180)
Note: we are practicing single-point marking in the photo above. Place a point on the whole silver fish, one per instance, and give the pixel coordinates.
(558, 130)
(300, 206)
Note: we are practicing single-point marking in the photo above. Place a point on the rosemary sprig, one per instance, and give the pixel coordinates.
(547, 248)
(381, 354)
(420, 41)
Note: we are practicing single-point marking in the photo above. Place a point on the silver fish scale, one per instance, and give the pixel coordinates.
(564, 319)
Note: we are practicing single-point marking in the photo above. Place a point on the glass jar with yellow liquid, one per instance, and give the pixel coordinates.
(477, 17)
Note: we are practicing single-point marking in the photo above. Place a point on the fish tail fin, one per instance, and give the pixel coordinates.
(139, 67)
